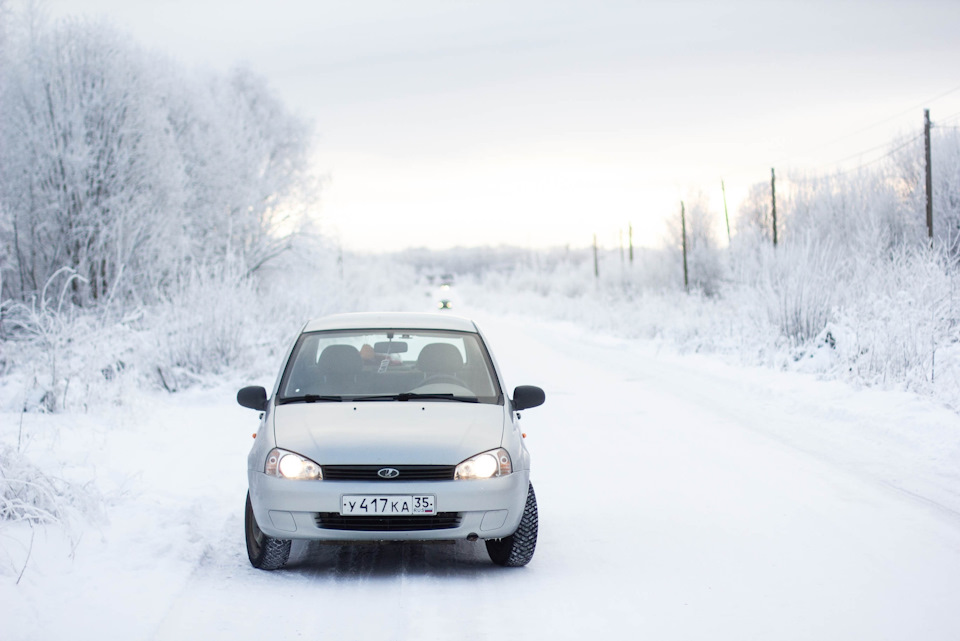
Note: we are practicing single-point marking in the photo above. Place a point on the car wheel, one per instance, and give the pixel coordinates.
(265, 552)
(517, 549)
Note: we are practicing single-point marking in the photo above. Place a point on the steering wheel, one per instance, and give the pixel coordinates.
(442, 378)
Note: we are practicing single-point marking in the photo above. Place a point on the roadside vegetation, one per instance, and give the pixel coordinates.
(854, 289)
(158, 228)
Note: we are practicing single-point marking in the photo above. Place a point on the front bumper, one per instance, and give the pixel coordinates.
(488, 509)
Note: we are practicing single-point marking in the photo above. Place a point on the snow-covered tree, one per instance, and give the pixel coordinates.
(85, 172)
(132, 173)
(705, 267)
(245, 167)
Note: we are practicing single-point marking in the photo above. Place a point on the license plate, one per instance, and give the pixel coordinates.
(387, 505)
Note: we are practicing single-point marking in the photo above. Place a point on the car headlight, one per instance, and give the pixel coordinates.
(485, 466)
(288, 465)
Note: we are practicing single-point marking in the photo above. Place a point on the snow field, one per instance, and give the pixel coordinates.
(680, 497)
(163, 466)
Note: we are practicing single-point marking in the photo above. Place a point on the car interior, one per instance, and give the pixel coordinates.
(341, 369)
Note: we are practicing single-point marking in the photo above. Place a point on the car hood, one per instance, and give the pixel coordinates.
(389, 432)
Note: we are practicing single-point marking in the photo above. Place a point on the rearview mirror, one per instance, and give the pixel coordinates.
(254, 397)
(527, 396)
(390, 347)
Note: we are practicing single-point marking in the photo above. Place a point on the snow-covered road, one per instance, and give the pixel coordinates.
(680, 498)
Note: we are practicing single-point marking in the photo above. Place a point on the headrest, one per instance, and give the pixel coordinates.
(439, 357)
(340, 359)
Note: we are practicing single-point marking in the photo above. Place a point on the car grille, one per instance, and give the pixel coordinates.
(441, 521)
(369, 472)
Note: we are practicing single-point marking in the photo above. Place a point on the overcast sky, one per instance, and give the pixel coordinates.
(444, 123)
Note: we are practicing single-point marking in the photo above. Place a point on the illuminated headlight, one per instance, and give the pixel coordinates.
(287, 465)
(485, 466)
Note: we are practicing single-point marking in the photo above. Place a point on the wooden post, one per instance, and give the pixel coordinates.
(726, 215)
(596, 262)
(630, 234)
(929, 181)
(683, 231)
(773, 201)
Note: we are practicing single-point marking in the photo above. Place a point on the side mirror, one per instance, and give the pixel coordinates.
(254, 397)
(527, 396)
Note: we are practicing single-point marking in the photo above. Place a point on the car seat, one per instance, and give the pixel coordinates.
(439, 359)
(339, 367)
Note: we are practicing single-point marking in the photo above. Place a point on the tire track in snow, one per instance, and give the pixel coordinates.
(664, 513)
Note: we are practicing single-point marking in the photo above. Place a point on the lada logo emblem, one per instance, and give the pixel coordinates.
(388, 473)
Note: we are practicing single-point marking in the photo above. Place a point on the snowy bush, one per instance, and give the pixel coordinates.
(203, 324)
(49, 327)
(912, 312)
(29, 495)
(852, 290)
(801, 283)
(705, 265)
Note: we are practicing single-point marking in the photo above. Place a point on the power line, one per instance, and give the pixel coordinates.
(953, 116)
(860, 153)
(886, 155)
(851, 170)
(889, 153)
(871, 126)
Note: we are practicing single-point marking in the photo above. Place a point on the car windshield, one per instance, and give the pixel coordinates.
(385, 365)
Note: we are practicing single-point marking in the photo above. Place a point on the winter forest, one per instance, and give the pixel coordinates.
(161, 230)
(131, 191)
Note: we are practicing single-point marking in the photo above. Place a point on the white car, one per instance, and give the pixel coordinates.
(390, 427)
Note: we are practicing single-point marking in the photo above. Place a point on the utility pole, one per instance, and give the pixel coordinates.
(926, 153)
(773, 201)
(630, 233)
(683, 230)
(596, 263)
(725, 214)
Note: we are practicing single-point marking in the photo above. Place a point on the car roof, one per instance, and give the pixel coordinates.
(390, 320)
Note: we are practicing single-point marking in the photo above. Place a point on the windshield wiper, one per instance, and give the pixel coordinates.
(409, 396)
(309, 398)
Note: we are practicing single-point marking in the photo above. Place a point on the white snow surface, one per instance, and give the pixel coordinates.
(680, 498)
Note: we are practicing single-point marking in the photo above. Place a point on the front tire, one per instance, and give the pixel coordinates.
(264, 552)
(517, 549)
